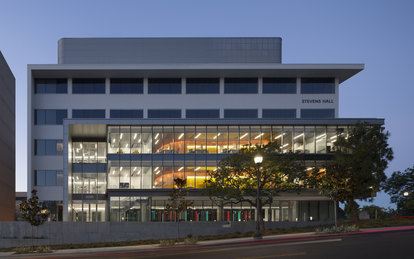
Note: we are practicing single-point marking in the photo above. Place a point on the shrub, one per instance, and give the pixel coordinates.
(22, 250)
(167, 242)
(190, 241)
(43, 249)
(339, 229)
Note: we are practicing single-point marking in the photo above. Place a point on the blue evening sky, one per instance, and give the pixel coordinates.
(377, 33)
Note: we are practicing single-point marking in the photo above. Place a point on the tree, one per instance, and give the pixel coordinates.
(235, 179)
(31, 211)
(358, 166)
(177, 201)
(398, 184)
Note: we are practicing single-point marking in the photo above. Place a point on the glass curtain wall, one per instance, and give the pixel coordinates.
(197, 141)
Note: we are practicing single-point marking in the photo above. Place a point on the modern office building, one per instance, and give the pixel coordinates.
(117, 119)
(7, 142)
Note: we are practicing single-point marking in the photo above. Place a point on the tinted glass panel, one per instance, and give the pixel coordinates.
(240, 86)
(80, 114)
(164, 86)
(126, 86)
(279, 113)
(317, 86)
(88, 86)
(126, 114)
(203, 85)
(317, 113)
(51, 86)
(164, 113)
(202, 114)
(48, 178)
(48, 147)
(50, 117)
(279, 85)
(240, 113)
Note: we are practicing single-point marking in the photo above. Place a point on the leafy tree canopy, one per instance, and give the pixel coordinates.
(397, 185)
(358, 167)
(31, 210)
(235, 179)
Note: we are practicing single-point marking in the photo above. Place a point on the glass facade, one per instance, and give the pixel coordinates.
(241, 86)
(88, 114)
(88, 86)
(48, 147)
(126, 114)
(279, 85)
(317, 86)
(139, 158)
(51, 86)
(203, 86)
(164, 86)
(50, 117)
(317, 113)
(126, 86)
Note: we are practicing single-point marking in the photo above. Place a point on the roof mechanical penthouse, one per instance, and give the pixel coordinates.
(117, 119)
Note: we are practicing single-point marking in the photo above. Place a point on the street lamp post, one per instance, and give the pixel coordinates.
(258, 159)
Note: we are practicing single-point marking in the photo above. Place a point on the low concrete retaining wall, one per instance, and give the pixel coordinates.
(15, 234)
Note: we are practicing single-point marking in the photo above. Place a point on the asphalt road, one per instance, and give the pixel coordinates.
(396, 244)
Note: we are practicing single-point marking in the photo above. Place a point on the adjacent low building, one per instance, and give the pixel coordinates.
(118, 119)
(7, 142)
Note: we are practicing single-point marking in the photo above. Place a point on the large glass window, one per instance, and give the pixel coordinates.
(310, 139)
(126, 114)
(279, 113)
(48, 178)
(317, 113)
(189, 139)
(146, 140)
(287, 138)
(50, 117)
(168, 146)
(88, 85)
(320, 139)
(202, 113)
(157, 140)
(200, 140)
(244, 137)
(203, 85)
(240, 85)
(51, 86)
(279, 85)
(234, 139)
(331, 138)
(164, 86)
(164, 114)
(277, 135)
(240, 113)
(126, 86)
(179, 140)
(48, 147)
(136, 140)
(88, 114)
(211, 143)
(317, 86)
(298, 139)
(222, 139)
(89, 152)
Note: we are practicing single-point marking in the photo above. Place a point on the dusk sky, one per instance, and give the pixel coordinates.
(376, 33)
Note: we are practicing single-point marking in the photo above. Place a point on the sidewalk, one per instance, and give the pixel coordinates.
(247, 240)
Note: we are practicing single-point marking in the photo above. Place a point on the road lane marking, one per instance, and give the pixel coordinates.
(273, 256)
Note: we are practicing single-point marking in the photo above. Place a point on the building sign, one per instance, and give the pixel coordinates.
(317, 100)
